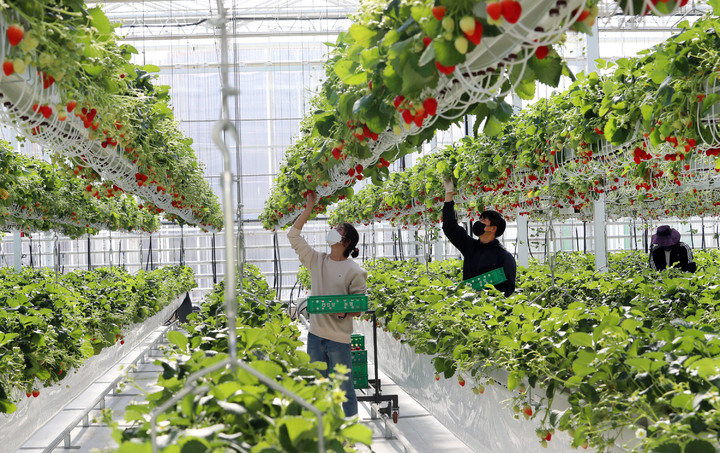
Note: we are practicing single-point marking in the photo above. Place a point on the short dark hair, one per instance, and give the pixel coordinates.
(496, 219)
(350, 234)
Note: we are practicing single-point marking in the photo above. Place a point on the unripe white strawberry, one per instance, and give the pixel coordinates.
(461, 44)
(448, 23)
(19, 65)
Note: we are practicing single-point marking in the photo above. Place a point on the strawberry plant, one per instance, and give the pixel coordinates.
(75, 50)
(629, 134)
(381, 83)
(36, 197)
(630, 349)
(52, 323)
(238, 411)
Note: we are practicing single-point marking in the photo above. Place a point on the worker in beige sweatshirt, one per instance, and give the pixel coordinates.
(331, 274)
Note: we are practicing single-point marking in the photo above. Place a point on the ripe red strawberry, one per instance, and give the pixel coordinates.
(494, 10)
(541, 52)
(461, 382)
(418, 119)
(48, 80)
(15, 34)
(427, 40)
(28, 394)
(439, 12)
(549, 436)
(336, 153)
(35, 393)
(527, 410)
(444, 69)
(351, 172)
(407, 116)
(398, 101)
(358, 168)
(430, 105)
(511, 10)
(46, 111)
(8, 67)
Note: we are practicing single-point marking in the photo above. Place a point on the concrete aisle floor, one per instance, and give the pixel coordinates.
(418, 430)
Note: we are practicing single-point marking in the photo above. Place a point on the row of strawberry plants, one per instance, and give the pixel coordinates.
(238, 411)
(631, 350)
(657, 108)
(52, 323)
(76, 52)
(47, 200)
(380, 78)
(381, 81)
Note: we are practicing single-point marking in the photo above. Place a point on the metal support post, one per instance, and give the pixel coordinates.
(523, 247)
(17, 251)
(600, 233)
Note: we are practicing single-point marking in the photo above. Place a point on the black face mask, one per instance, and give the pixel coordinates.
(478, 228)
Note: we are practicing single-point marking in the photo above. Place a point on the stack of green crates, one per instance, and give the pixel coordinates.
(359, 361)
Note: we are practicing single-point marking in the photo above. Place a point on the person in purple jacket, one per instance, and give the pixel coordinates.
(331, 274)
(485, 253)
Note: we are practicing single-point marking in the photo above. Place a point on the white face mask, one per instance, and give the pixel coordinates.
(333, 237)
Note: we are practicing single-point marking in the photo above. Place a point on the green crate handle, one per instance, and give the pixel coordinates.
(493, 277)
(341, 303)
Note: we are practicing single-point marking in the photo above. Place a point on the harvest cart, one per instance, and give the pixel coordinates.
(352, 303)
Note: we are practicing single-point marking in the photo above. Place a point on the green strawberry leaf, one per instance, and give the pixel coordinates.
(362, 35)
(178, 339)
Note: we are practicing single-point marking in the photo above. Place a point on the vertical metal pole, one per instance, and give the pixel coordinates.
(17, 251)
(600, 233)
(219, 138)
(523, 253)
(88, 254)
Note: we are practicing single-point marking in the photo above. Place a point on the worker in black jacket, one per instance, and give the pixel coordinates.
(485, 253)
(667, 251)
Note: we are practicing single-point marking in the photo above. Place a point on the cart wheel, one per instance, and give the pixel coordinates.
(395, 416)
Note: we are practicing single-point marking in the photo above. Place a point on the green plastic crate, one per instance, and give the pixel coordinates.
(360, 376)
(337, 304)
(359, 356)
(357, 341)
(493, 278)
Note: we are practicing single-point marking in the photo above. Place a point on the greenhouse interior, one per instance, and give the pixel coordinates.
(520, 198)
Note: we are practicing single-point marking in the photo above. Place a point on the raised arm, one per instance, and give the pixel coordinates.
(306, 253)
(454, 232)
(305, 215)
